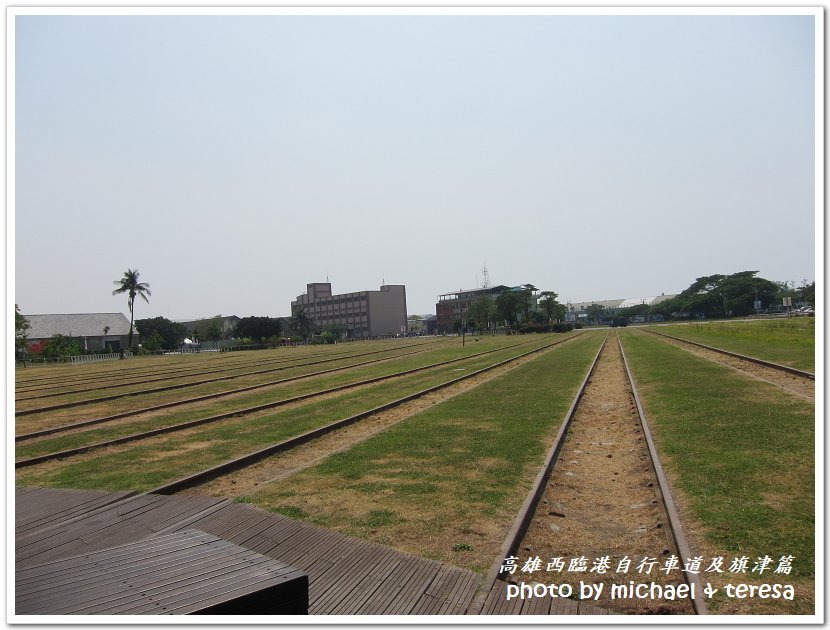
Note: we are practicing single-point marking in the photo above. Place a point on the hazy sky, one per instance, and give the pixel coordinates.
(233, 160)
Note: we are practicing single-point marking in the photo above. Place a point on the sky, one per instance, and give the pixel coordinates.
(234, 159)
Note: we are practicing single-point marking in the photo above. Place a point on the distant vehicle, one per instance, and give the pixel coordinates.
(619, 321)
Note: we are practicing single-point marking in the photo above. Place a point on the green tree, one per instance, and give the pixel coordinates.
(153, 342)
(634, 311)
(721, 295)
(209, 329)
(549, 305)
(172, 334)
(595, 312)
(739, 291)
(130, 285)
(507, 307)
(526, 294)
(301, 323)
(807, 292)
(335, 330)
(258, 328)
(21, 329)
(480, 312)
(61, 346)
(417, 323)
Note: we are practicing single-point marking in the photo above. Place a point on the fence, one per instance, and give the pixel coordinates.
(94, 358)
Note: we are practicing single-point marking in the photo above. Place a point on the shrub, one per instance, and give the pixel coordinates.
(534, 328)
(61, 346)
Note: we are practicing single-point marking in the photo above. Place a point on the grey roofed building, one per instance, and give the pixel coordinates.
(579, 310)
(89, 326)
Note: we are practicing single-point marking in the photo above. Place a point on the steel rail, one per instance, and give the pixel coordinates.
(107, 369)
(523, 518)
(664, 491)
(187, 401)
(155, 390)
(173, 376)
(133, 378)
(39, 459)
(120, 371)
(126, 374)
(528, 509)
(769, 364)
(251, 458)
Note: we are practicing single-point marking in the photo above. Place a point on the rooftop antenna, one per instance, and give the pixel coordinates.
(486, 277)
(382, 279)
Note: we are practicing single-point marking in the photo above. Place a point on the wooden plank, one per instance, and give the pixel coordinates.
(347, 581)
(344, 574)
(433, 597)
(457, 599)
(538, 606)
(463, 598)
(68, 567)
(65, 521)
(566, 607)
(177, 573)
(332, 587)
(413, 588)
(368, 586)
(493, 598)
(209, 589)
(234, 525)
(502, 603)
(77, 599)
(322, 541)
(390, 590)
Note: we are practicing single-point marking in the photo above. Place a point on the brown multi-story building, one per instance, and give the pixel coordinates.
(452, 307)
(361, 314)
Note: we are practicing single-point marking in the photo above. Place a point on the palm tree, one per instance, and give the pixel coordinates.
(549, 303)
(130, 285)
(527, 292)
(301, 323)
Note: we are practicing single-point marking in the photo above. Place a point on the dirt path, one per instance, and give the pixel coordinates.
(600, 500)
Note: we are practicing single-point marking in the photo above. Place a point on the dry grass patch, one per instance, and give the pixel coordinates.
(447, 482)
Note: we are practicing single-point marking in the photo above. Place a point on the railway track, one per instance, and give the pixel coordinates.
(166, 375)
(165, 388)
(249, 459)
(199, 399)
(601, 496)
(275, 365)
(797, 382)
(31, 461)
(111, 370)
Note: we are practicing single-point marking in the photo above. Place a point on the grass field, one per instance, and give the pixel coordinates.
(446, 483)
(262, 396)
(740, 455)
(786, 341)
(153, 461)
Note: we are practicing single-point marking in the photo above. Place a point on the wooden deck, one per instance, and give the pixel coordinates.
(346, 576)
(497, 604)
(182, 573)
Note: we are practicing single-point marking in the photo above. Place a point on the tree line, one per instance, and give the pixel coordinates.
(730, 295)
(525, 306)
